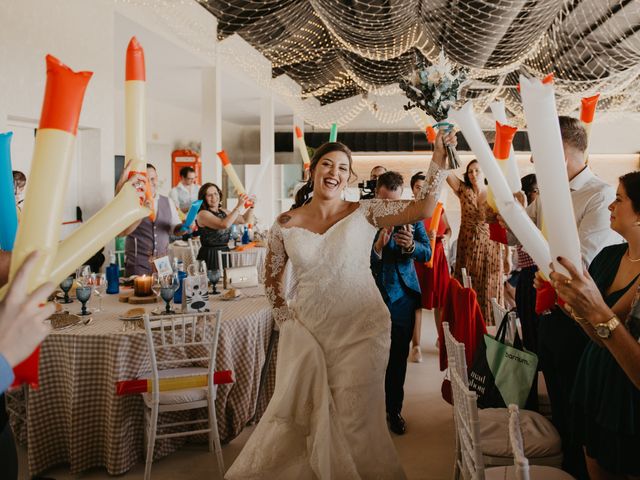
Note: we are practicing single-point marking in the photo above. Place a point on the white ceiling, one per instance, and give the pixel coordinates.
(174, 76)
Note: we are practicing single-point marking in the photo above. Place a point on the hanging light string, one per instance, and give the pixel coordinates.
(331, 59)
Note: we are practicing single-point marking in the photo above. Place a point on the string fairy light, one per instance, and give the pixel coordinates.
(330, 60)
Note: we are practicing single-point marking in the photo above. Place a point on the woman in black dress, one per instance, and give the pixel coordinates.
(606, 393)
(214, 223)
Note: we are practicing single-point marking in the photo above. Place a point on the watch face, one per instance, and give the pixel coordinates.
(603, 331)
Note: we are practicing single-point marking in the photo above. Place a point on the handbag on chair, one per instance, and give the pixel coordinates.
(502, 374)
(240, 277)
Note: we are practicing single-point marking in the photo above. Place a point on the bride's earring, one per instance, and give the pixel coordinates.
(637, 224)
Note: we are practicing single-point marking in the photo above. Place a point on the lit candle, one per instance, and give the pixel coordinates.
(142, 286)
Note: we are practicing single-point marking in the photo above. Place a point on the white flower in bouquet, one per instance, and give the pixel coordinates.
(434, 88)
(434, 77)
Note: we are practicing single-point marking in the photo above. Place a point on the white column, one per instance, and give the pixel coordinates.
(267, 191)
(211, 136)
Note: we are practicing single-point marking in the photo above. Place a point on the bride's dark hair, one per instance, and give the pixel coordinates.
(302, 196)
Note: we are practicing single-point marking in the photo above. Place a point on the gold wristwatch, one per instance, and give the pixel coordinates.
(604, 330)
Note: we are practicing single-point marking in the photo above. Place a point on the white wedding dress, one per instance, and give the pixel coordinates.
(326, 419)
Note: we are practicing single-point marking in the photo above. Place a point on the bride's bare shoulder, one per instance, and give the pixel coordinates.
(292, 218)
(284, 219)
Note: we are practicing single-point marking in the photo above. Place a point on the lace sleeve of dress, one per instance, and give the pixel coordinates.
(275, 262)
(388, 213)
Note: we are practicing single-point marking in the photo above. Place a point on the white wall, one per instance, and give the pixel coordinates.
(80, 34)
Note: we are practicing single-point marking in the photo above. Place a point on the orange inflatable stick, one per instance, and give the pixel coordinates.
(588, 108)
(433, 227)
(501, 152)
(135, 116)
(302, 146)
(63, 96)
(431, 134)
(39, 228)
(588, 112)
(233, 176)
(504, 138)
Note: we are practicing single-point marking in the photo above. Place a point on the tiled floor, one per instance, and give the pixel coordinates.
(426, 450)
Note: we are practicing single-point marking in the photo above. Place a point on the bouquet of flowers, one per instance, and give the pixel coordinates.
(434, 88)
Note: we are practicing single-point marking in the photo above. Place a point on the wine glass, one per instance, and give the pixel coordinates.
(155, 288)
(83, 293)
(168, 286)
(99, 282)
(83, 275)
(214, 277)
(66, 285)
(234, 234)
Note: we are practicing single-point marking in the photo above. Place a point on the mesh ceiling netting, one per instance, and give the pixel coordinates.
(348, 55)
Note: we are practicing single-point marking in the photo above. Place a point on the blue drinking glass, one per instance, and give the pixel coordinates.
(83, 294)
(167, 295)
(65, 286)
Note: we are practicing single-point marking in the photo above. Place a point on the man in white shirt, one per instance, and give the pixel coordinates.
(186, 192)
(561, 340)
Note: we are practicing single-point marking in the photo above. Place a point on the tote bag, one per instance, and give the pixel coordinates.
(502, 374)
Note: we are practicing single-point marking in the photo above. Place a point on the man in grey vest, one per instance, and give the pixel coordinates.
(147, 240)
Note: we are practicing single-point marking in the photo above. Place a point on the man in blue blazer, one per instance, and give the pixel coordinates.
(392, 256)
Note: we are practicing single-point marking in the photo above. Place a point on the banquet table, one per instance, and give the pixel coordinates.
(75, 416)
(181, 250)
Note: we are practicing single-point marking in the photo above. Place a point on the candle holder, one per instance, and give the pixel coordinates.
(142, 286)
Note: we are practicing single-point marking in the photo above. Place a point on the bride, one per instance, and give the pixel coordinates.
(326, 419)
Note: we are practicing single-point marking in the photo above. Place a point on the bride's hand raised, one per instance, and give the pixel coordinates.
(442, 140)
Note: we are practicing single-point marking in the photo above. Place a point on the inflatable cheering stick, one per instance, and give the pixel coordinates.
(333, 135)
(433, 227)
(135, 116)
(302, 146)
(124, 210)
(502, 151)
(145, 385)
(510, 167)
(233, 176)
(512, 212)
(40, 227)
(587, 113)
(8, 212)
(551, 172)
(431, 134)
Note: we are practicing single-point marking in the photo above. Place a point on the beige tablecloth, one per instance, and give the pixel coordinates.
(75, 416)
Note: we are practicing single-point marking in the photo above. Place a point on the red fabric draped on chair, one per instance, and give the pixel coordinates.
(462, 312)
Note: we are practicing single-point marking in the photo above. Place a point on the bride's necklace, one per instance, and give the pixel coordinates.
(632, 260)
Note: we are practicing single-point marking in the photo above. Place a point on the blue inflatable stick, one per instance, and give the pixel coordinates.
(8, 213)
(191, 215)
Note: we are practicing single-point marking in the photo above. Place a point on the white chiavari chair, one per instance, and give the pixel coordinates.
(543, 445)
(168, 338)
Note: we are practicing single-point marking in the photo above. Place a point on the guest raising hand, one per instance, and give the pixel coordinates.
(606, 393)
(481, 256)
(214, 223)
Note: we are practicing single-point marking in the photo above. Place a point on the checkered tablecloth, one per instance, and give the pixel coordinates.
(75, 416)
